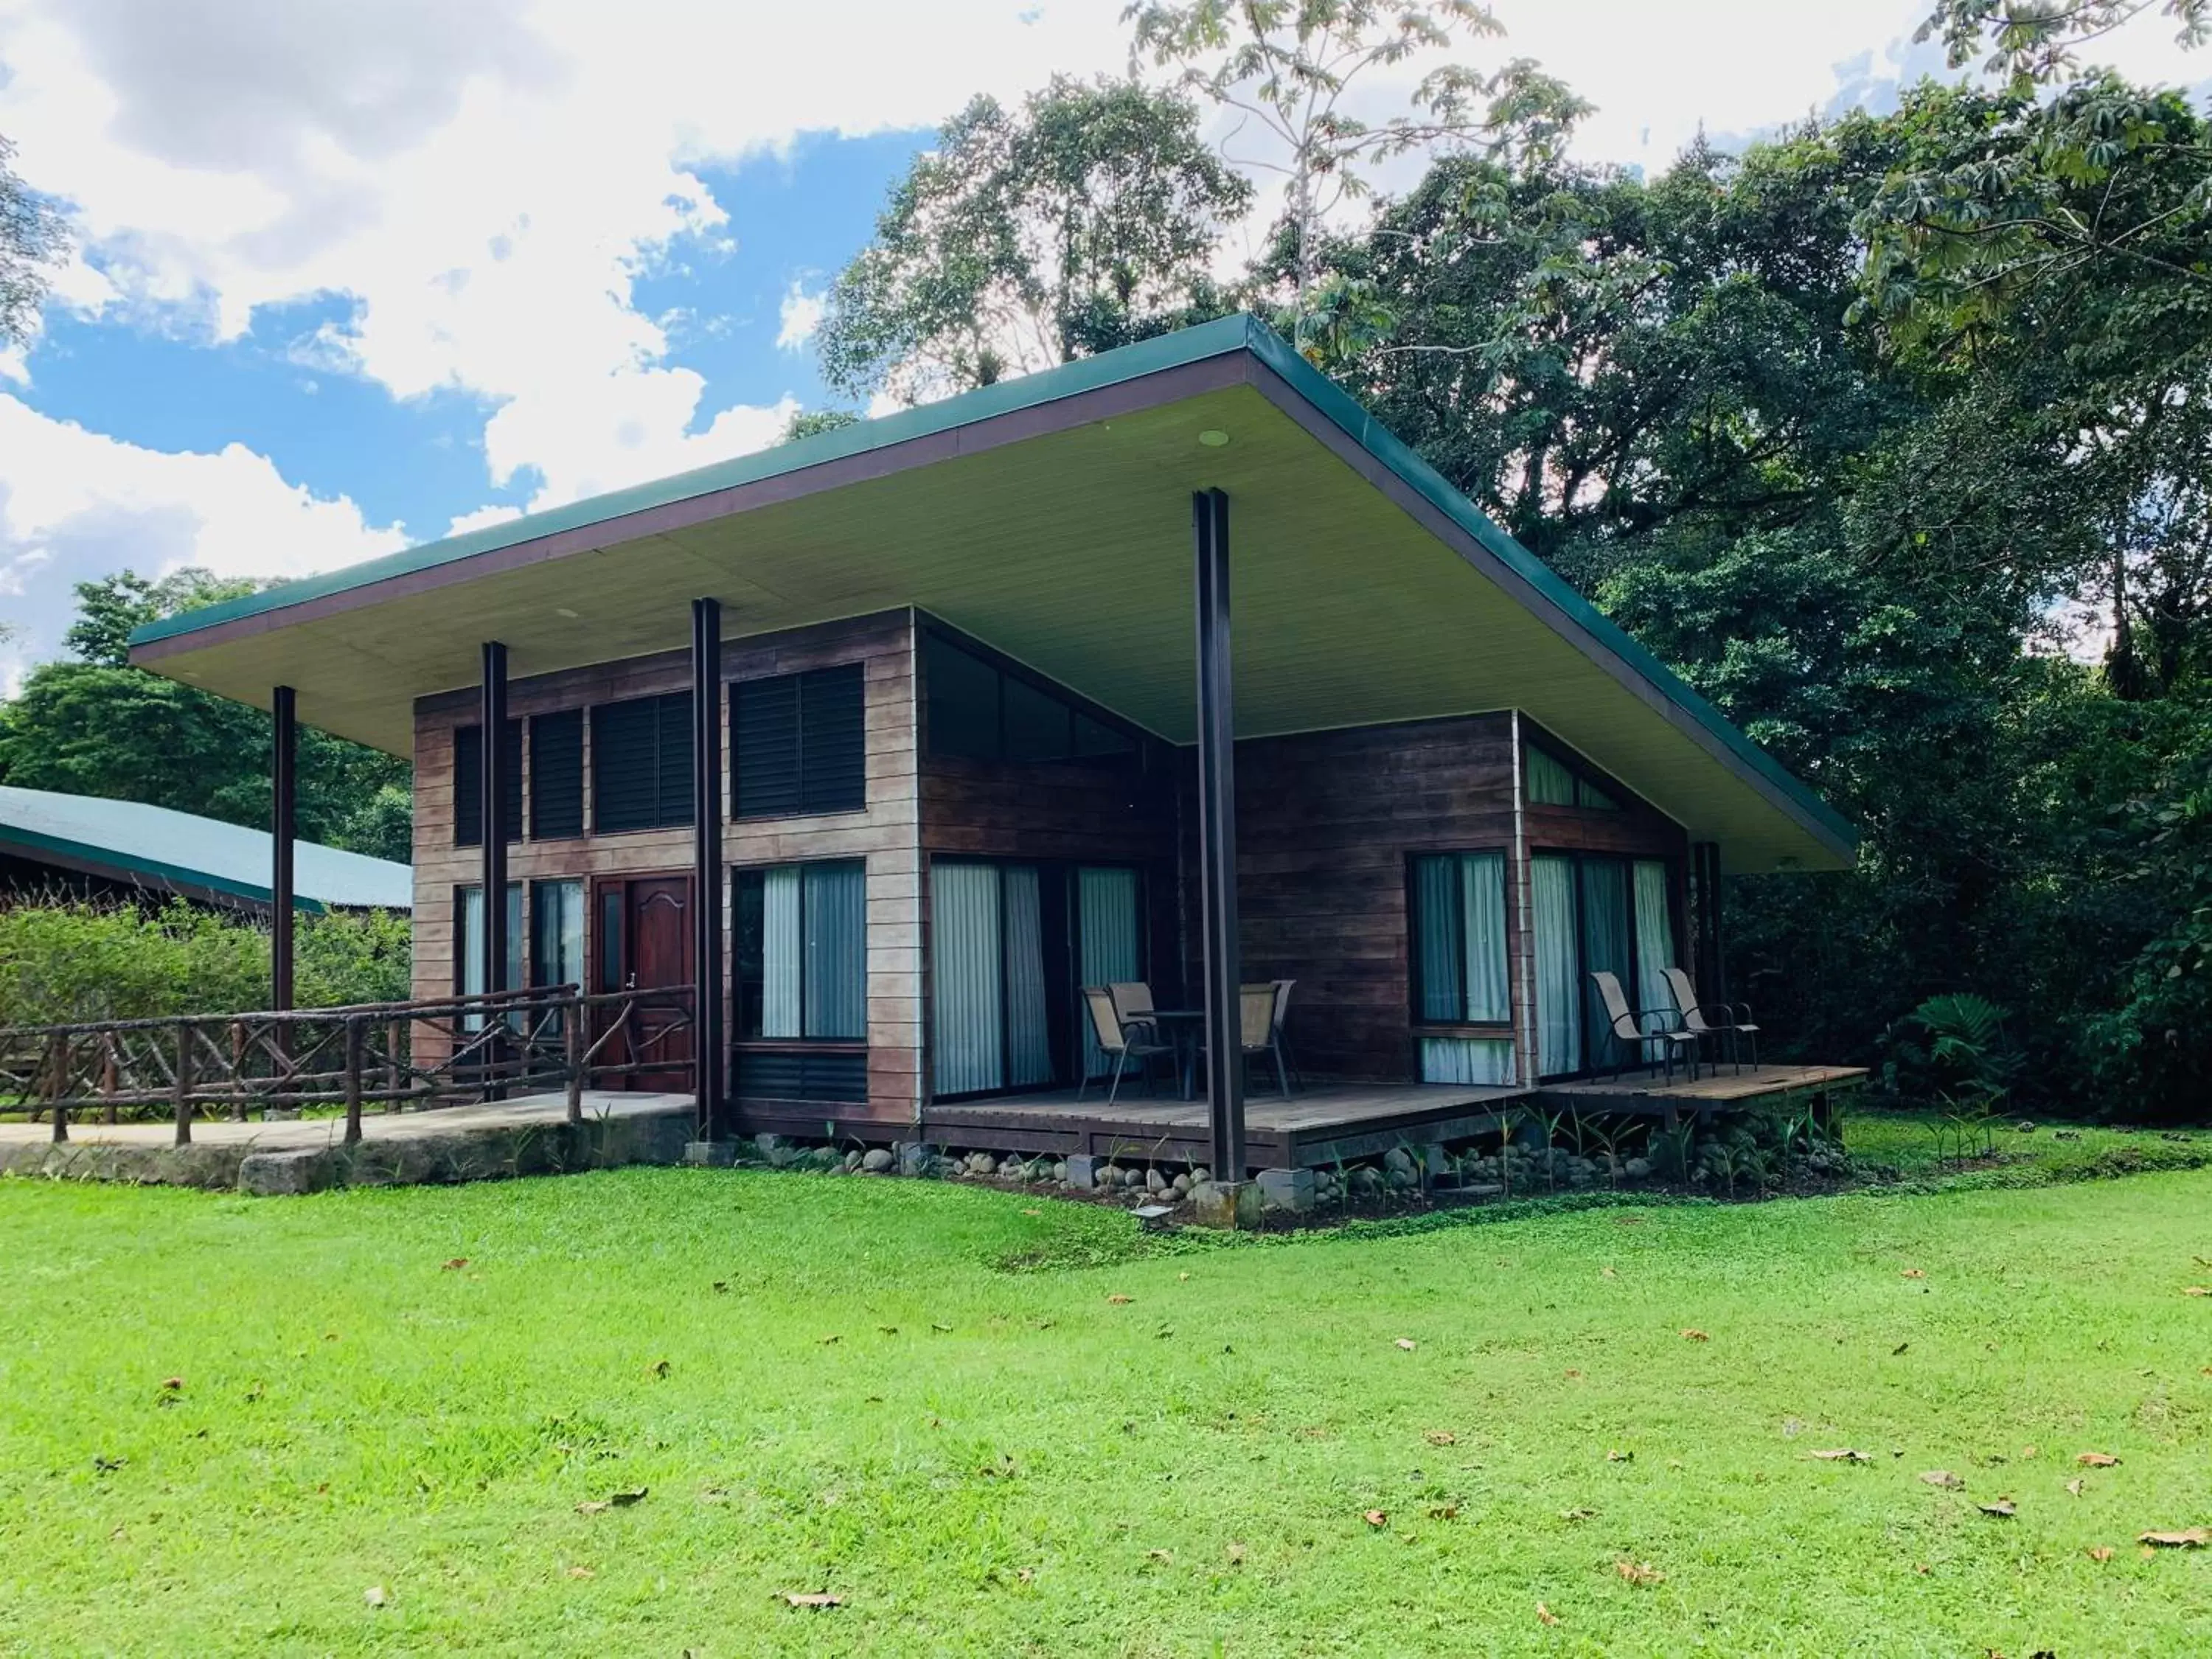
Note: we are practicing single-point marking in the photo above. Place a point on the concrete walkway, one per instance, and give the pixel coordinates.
(530, 1135)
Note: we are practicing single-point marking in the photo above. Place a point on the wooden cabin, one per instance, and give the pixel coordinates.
(1165, 665)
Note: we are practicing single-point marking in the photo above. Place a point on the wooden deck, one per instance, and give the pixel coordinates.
(1717, 1088)
(1318, 1125)
(1325, 1122)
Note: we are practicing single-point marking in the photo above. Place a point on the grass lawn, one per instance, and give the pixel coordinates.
(1131, 1450)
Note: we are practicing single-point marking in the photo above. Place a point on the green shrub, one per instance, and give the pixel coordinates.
(79, 962)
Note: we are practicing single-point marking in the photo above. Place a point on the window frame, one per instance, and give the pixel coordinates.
(1677, 893)
(1415, 988)
(800, 680)
(1083, 720)
(743, 998)
(1613, 799)
(594, 804)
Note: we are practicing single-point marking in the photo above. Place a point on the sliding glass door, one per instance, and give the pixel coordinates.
(1593, 914)
(1010, 944)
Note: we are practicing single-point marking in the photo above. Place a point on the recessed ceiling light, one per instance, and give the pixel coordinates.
(563, 610)
(1213, 437)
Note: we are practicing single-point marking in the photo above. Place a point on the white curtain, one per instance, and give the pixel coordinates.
(1465, 1059)
(1484, 874)
(966, 977)
(781, 950)
(1029, 1040)
(1550, 782)
(1106, 919)
(1559, 999)
(469, 942)
(1655, 945)
(837, 907)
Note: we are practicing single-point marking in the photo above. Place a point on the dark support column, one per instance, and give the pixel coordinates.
(492, 715)
(283, 827)
(1705, 918)
(1219, 966)
(709, 1047)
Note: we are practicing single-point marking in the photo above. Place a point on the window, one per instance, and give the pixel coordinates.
(468, 948)
(801, 951)
(556, 933)
(978, 711)
(556, 774)
(641, 764)
(468, 784)
(1597, 914)
(798, 743)
(1553, 782)
(1459, 964)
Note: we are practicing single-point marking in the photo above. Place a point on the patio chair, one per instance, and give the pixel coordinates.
(1628, 1027)
(1260, 1009)
(1729, 1019)
(1138, 1040)
(1133, 1002)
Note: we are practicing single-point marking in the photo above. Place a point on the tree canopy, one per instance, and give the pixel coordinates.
(1084, 221)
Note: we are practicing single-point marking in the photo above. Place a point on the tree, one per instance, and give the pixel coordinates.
(806, 423)
(1295, 68)
(2035, 42)
(31, 240)
(1085, 219)
(99, 726)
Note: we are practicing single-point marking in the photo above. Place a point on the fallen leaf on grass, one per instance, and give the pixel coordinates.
(456, 1264)
(1573, 1375)
(1618, 1456)
(1441, 1437)
(1407, 1343)
(1576, 1515)
(2003, 1507)
(374, 1595)
(658, 1369)
(1545, 1615)
(1841, 1455)
(2100, 1551)
(2097, 1460)
(1444, 1511)
(1166, 1557)
(2196, 1538)
(1032, 1211)
(171, 1384)
(1694, 1335)
(2198, 1290)
(2074, 1487)
(1899, 1349)
(816, 1599)
(721, 1287)
(1944, 1478)
(828, 1339)
(1377, 1518)
(888, 1330)
(1638, 1572)
(581, 1572)
(1119, 1300)
(1913, 1273)
(946, 1328)
(1607, 1272)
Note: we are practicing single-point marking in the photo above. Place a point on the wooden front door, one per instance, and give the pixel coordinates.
(645, 943)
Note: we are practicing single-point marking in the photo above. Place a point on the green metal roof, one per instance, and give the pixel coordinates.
(946, 419)
(156, 847)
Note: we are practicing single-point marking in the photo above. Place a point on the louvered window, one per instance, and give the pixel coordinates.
(641, 764)
(800, 743)
(468, 783)
(556, 774)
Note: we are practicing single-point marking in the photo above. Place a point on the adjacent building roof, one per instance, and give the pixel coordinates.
(1050, 515)
(128, 840)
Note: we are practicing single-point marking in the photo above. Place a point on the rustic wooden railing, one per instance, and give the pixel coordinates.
(397, 1055)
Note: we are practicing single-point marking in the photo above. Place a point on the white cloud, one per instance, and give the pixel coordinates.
(800, 315)
(76, 505)
(483, 519)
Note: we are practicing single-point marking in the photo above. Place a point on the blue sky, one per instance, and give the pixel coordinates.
(348, 276)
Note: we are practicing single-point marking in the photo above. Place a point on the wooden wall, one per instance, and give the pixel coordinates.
(883, 832)
(1327, 822)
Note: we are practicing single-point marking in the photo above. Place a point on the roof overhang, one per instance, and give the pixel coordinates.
(1049, 516)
